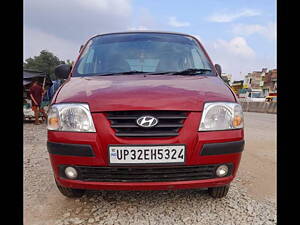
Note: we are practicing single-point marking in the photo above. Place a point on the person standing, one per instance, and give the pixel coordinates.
(48, 95)
(36, 92)
(51, 91)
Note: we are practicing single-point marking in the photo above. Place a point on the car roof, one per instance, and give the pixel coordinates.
(145, 31)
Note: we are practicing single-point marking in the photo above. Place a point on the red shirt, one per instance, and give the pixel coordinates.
(36, 91)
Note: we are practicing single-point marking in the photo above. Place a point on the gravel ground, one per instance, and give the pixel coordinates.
(44, 205)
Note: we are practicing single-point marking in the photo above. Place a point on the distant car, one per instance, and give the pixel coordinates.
(144, 111)
(255, 96)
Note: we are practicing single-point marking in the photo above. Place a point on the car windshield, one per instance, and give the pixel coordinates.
(134, 53)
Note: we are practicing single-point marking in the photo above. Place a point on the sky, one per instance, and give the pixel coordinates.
(240, 35)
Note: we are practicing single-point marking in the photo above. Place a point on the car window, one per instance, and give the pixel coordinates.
(257, 95)
(147, 52)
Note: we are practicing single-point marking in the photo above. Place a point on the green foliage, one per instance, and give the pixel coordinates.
(45, 62)
(69, 62)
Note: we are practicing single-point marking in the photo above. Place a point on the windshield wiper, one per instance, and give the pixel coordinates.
(117, 73)
(159, 73)
(133, 72)
(192, 71)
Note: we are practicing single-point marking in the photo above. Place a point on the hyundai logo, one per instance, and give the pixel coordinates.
(147, 121)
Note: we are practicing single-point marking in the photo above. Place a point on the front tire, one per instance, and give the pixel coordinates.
(70, 192)
(218, 192)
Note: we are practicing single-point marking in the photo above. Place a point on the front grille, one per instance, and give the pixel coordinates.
(146, 174)
(124, 123)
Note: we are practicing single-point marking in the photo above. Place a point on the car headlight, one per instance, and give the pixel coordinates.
(70, 117)
(221, 116)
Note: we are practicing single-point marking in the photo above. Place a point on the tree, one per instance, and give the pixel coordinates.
(69, 62)
(45, 62)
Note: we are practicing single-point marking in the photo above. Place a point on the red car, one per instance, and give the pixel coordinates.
(144, 111)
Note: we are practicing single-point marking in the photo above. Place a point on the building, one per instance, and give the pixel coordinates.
(247, 81)
(270, 82)
(236, 86)
(227, 78)
(255, 80)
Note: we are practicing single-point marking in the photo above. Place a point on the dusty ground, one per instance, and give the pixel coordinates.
(258, 164)
(251, 198)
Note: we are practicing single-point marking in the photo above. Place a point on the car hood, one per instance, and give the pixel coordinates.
(149, 92)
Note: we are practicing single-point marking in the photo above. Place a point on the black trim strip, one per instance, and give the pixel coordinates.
(70, 149)
(162, 173)
(150, 135)
(223, 148)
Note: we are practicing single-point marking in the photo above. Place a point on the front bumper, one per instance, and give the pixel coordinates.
(61, 156)
(91, 149)
(134, 186)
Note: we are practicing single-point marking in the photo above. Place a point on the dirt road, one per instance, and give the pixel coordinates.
(258, 164)
(251, 198)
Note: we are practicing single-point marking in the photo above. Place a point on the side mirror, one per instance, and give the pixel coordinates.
(62, 71)
(219, 69)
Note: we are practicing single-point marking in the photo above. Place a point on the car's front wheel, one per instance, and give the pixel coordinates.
(218, 192)
(70, 192)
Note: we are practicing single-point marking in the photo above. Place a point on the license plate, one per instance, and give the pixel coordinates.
(146, 154)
